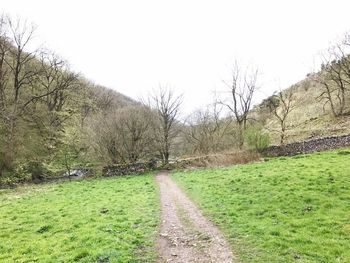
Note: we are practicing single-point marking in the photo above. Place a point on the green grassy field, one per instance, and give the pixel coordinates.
(282, 210)
(105, 220)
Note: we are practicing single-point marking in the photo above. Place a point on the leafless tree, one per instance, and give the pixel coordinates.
(335, 77)
(55, 81)
(106, 140)
(4, 50)
(125, 135)
(88, 106)
(45, 105)
(242, 87)
(327, 94)
(206, 129)
(281, 105)
(104, 99)
(17, 72)
(20, 63)
(133, 124)
(55, 78)
(167, 106)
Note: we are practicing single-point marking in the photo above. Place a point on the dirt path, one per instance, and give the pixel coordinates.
(185, 234)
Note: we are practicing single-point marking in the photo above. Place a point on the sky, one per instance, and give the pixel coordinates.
(133, 46)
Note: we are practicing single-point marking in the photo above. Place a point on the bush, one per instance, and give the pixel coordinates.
(256, 138)
(37, 170)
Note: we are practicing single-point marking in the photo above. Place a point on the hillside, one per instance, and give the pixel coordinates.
(309, 117)
(48, 113)
(54, 121)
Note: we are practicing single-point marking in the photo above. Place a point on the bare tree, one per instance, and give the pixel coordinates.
(206, 129)
(104, 99)
(335, 77)
(133, 124)
(17, 72)
(21, 59)
(281, 105)
(327, 94)
(4, 50)
(167, 106)
(55, 78)
(53, 89)
(106, 140)
(241, 88)
(125, 135)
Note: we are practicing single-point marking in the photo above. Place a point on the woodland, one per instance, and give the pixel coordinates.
(53, 119)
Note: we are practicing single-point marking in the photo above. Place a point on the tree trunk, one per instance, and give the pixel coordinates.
(240, 135)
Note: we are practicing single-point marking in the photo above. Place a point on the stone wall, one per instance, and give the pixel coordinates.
(213, 160)
(308, 146)
(125, 169)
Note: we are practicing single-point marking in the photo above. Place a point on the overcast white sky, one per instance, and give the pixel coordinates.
(134, 45)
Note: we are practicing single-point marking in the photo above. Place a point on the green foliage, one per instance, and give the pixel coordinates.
(106, 220)
(256, 138)
(272, 102)
(66, 158)
(37, 170)
(283, 210)
(44, 107)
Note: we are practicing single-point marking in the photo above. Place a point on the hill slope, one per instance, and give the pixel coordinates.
(309, 116)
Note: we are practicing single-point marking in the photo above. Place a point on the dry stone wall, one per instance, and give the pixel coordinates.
(308, 146)
(125, 169)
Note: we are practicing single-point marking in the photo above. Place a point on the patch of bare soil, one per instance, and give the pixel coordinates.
(185, 234)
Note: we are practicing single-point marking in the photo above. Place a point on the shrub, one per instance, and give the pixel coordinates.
(256, 138)
(37, 170)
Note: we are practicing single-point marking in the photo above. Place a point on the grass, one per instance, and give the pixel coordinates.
(105, 220)
(293, 209)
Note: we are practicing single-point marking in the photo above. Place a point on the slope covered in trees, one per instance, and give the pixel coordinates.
(53, 120)
(47, 112)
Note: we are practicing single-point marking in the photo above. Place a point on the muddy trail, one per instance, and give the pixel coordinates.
(185, 234)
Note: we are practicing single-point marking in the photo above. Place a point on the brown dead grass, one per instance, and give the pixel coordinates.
(221, 159)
